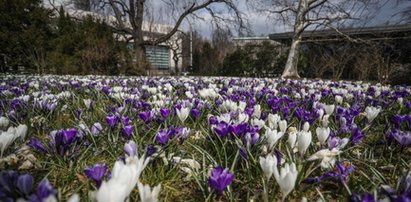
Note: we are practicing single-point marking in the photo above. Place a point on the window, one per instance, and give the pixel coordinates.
(158, 56)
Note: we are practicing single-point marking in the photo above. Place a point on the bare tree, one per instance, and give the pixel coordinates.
(132, 16)
(303, 15)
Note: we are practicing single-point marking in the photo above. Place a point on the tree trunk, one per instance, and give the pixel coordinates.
(291, 70)
(141, 60)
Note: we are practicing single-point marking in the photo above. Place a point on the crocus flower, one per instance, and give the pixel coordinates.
(128, 130)
(273, 120)
(329, 109)
(286, 178)
(336, 142)
(44, 192)
(327, 157)
(125, 120)
(163, 136)
(145, 116)
(21, 131)
(371, 113)
(124, 178)
(111, 120)
(69, 135)
(130, 148)
(147, 194)
(268, 164)
(196, 112)
(6, 139)
(182, 113)
(220, 179)
(96, 129)
(292, 138)
(303, 142)
(96, 172)
(4, 122)
(25, 183)
(88, 103)
(272, 136)
(356, 135)
(164, 112)
(37, 144)
(283, 125)
(322, 134)
(151, 149)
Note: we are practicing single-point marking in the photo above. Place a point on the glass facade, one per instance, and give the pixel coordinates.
(158, 56)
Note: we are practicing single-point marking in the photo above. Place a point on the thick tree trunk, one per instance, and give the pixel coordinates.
(291, 70)
(141, 67)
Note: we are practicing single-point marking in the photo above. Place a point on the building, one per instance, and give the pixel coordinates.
(254, 40)
(161, 57)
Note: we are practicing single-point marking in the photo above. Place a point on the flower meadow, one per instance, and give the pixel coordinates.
(97, 138)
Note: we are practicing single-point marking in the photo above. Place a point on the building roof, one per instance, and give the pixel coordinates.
(331, 34)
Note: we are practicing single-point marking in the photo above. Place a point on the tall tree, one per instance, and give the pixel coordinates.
(133, 17)
(24, 33)
(302, 15)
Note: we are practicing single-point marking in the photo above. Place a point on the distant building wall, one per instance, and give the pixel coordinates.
(159, 56)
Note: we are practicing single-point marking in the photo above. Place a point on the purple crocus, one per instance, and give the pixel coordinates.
(196, 112)
(356, 135)
(165, 112)
(163, 136)
(69, 135)
(221, 129)
(145, 116)
(43, 191)
(151, 149)
(37, 144)
(128, 130)
(220, 179)
(111, 120)
(125, 120)
(25, 183)
(96, 172)
(130, 148)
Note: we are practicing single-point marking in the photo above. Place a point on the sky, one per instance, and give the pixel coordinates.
(260, 25)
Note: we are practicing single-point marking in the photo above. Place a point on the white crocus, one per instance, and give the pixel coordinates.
(74, 198)
(6, 139)
(272, 136)
(286, 178)
(371, 113)
(320, 113)
(88, 103)
(322, 134)
(257, 111)
(303, 142)
(292, 138)
(324, 121)
(306, 127)
(147, 194)
(268, 164)
(4, 122)
(273, 120)
(183, 113)
(329, 109)
(242, 117)
(124, 178)
(21, 131)
(327, 157)
(283, 125)
(338, 99)
(258, 122)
